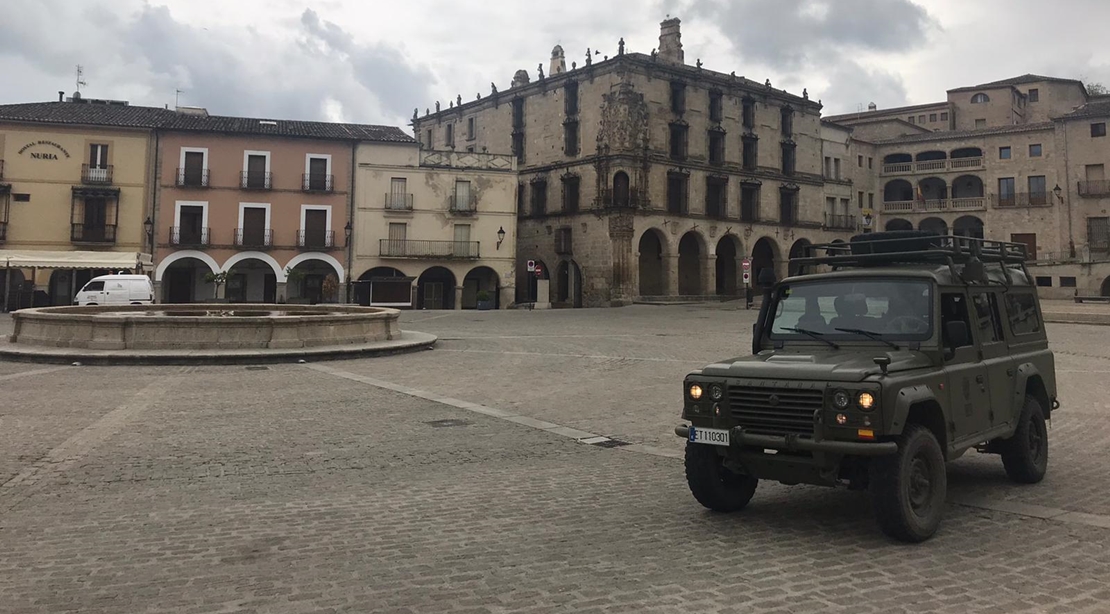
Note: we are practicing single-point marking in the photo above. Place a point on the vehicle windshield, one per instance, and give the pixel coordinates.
(852, 309)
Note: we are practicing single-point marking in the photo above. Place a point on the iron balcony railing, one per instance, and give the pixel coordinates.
(318, 239)
(254, 237)
(411, 248)
(192, 178)
(463, 204)
(841, 222)
(1022, 199)
(317, 182)
(180, 235)
(975, 203)
(255, 180)
(96, 175)
(398, 201)
(1094, 187)
(82, 233)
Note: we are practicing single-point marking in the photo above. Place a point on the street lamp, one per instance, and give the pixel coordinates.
(1071, 237)
(149, 226)
(1056, 190)
(500, 236)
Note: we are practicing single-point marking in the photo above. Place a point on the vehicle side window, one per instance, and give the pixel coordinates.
(986, 314)
(95, 286)
(1022, 310)
(953, 308)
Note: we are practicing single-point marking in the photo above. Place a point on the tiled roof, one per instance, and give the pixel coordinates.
(963, 134)
(1097, 107)
(885, 112)
(127, 116)
(1022, 80)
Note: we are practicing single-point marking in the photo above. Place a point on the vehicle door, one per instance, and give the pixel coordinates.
(966, 376)
(116, 292)
(994, 353)
(1026, 336)
(92, 293)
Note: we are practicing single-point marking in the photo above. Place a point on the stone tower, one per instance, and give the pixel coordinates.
(558, 61)
(670, 41)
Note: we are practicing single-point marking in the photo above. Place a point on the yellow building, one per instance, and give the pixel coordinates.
(76, 186)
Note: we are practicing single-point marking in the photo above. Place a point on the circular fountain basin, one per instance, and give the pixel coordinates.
(204, 327)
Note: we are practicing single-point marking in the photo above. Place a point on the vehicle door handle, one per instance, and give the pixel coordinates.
(1010, 372)
(978, 379)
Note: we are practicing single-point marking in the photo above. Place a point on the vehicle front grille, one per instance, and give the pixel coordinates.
(774, 411)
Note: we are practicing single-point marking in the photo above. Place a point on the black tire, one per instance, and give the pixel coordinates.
(908, 489)
(1025, 454)
(712, 484)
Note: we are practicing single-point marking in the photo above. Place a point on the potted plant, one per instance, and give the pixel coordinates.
(217, 280)
(485, 300)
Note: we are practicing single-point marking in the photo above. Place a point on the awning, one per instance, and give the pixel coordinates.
(72, 260)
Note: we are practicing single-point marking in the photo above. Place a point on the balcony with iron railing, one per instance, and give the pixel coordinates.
(840, 222)
(1021, 200)
(1094, 188)
(414, 248)
(398, 201)
(317, 182)
(83, 233)
(96, 175)
(463, 204)
(254, 237)
(256, 180)
(181, 236)
(936, 205)
(192, 178)
(315, 239)
(933, 166)
(635, 199)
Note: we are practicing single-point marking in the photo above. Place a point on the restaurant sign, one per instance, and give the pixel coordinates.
(44, 155)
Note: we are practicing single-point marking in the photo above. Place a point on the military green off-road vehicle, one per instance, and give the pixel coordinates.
(885, 358)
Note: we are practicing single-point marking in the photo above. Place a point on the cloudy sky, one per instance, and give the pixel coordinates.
(376, 60)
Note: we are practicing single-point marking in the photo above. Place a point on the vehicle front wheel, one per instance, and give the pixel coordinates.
(908, 488)
(714, 485)
(1025, 455)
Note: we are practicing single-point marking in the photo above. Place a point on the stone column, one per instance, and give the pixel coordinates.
(281, 292)
(670, 275)
(709, 275)
(157, 291)
(624, 264)
(458, 297)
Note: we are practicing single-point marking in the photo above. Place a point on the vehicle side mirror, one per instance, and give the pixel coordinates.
(957, 334)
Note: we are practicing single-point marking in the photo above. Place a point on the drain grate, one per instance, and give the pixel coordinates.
(611, 443)
(446, 423)
(258, 368)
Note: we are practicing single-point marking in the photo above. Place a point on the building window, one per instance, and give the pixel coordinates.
(716, 147)
(944, 117)
(318, 177)
(449, 135)
(464, 201)
(570, 98)
(870, 162)
(913, 120)
(518, 114)
(788, 207)
(749, 203)
(836, 168)
(521, 210)
(563, 241)
(1035, 150)
(1034, 95)
(398, 197)
(716, 191)
(1044, 281)
(749, 114)
(21, 198)
(1098, 234)
(715, 112)
(677, 184)
(1029, 240)
(678, 97)
(571, 194)
(859, 198)
(828, 167)
(980, 123)
(1098, 129)
(1003, 153)
(859, 161)
(256, 170)
(932, 117)
(518, 146)
(921, 119)
(980, 99)
(678, 141)
(871, 200)
(470, 131)
(751, 153)
(570, 138)
(788, 159)
(1038, 193)
(1006, 191)
(787, 122)
(539, 197)
(428, 139)
(1067, 282)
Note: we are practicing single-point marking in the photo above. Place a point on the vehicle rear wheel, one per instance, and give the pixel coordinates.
(1025, 454)
(714, 485)
(908, 488)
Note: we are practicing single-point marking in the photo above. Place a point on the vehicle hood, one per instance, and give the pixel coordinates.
(835, 366)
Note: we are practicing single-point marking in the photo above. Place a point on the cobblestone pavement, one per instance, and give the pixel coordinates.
(309, 488)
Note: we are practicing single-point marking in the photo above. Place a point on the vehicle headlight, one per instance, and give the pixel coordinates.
(695, 391)
(841, 399)
(716, 392)
(866, 400)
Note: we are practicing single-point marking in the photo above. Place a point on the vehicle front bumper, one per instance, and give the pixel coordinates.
(737, 437)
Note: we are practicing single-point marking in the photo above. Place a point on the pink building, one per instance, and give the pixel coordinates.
(262, 206)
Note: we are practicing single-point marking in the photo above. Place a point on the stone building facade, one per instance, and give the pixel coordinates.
(643, 176)
(1021, 159)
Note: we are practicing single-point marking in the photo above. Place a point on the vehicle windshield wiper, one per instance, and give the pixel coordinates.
(869, 334)
(816, 335)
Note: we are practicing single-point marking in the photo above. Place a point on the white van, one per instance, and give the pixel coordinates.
(116, 290)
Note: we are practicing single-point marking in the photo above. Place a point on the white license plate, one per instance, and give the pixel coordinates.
(713, 437)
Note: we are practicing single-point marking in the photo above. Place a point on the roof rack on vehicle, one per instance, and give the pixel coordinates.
(911, 247)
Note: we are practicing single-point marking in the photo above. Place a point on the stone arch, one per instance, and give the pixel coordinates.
(622, 189)
(1104, 290)
(897, 158)
(966, 152)
(897, 190)
(174, 257)
(435, 289)
(765, 254)
(980, 98)
(652, 251)
(797, 250)
(933, 188)
(897, 224)
(384, 286)
(929, 156)
(335, 264)
(968, 226)
(933, 224)
(568, 281)
(728, 252)
(967, 186)
(691, 252)
(481, 279)
(264, 257)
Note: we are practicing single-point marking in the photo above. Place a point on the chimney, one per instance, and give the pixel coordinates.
(670, 41)
(872, 107)
(61, 96)
(558, 61)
